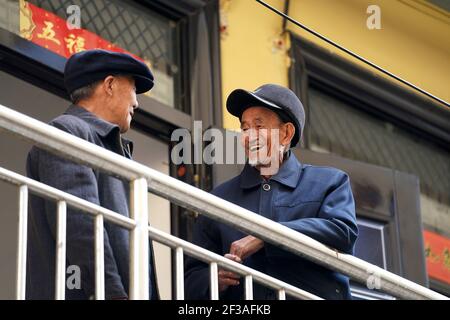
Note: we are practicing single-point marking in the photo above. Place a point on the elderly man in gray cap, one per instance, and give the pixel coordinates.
(102, 86)
(315, 201)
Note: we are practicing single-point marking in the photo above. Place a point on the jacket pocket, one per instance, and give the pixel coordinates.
(288, 212)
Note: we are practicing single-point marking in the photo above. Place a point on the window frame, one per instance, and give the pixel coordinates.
(384, 99)
(44, 68)
(364, 89)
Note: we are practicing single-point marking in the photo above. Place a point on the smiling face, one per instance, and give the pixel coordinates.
(264, 136)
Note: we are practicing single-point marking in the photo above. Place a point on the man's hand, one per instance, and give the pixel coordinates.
(228, 278)
(246, 246)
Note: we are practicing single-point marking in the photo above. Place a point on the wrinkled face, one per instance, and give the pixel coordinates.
(263, 135)
(122, 102)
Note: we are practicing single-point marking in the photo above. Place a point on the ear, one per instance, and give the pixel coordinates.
(108, 85)
(289, 131)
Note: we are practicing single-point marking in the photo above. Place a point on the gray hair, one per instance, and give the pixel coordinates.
(83, 93)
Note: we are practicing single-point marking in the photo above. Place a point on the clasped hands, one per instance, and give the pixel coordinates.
(239, 250)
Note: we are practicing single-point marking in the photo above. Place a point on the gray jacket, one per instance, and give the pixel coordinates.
(91, 185)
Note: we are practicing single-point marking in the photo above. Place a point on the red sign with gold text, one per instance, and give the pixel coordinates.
(437, 252)
(51, 32)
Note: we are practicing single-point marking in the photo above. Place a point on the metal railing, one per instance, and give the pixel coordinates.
(138, 275)
(145, 179)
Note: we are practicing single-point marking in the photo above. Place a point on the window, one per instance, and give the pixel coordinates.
(122, 26)
(357, 115)
(371, 243)
(338, 127)
(370, 246)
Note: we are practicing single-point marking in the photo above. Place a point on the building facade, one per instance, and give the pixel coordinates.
(393, 140)
(358, 113)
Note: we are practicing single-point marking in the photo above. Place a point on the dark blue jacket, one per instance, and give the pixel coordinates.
(316, 201)
(91, 185)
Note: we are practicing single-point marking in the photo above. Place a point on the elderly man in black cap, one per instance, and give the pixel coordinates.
(102, 86)
(315, 201)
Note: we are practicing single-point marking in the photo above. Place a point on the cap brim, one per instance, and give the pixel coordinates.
(239, 100)
(142, 84)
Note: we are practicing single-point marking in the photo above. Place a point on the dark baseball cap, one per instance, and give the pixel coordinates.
(89, 66)
(277, 98)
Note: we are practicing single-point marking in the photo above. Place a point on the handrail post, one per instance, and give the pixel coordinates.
(139, 241)
(60, 283)
(22, 243)
(99, 258)
(213, 281)
(179, 273)
(248, 287)
(281, 294)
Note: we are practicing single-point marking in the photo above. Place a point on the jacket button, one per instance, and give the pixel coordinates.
(266, 187)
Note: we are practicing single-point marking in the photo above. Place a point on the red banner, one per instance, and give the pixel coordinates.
(437, 252)
(51, 32)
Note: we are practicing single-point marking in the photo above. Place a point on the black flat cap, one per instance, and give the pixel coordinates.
(279, 99)
(89, 66)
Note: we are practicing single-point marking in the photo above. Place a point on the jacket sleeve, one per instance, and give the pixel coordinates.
(335, 224)
(197, 272)
(81, 182)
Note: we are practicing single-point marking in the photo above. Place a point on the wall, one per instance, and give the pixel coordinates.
(411, 43)
(248, 55)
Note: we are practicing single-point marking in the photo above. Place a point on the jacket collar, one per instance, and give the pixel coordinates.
(288, 175)
(100, 126)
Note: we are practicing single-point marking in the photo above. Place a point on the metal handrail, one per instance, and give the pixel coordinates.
(62, 199)
(181, 246)
(192, 198)
(209, 257)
